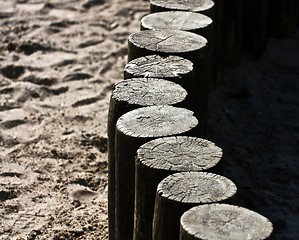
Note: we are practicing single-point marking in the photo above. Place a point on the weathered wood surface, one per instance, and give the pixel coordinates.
(225, 222)
(255, 26)
(283, 17)
(132, 130)
(178, 20)
(186, 21)
(179, 192)
(184, 44)
(128, 95)
(172, 68)
(231, 32)
(158, 159)
(202, 6)
(167, 42)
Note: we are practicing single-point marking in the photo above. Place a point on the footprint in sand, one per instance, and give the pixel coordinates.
(81, 193)
(12, 71)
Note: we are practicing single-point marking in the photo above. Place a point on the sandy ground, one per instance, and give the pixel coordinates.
(58, 63)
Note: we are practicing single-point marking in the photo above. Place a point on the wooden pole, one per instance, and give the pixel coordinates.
(223, 221)
(255, 26)
(179, 192)
(128, 95)
(132, 130)
(184, 44)
(186, 21)
(203, 6)
(160, 158)
(283, 17)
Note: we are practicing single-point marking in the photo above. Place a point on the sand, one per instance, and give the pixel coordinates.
(58, 63)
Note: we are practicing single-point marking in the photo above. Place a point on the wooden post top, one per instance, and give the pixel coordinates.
(156, 121)
(148, 92)
(186, 5)
(159, 66)
(175, 20)
(168, 41)
(225, 222)
(196, 188)
(179, 153)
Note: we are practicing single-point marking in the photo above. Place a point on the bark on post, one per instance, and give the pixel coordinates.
(132, 130)
(223, 221)
(160, 158)
(232, 32)
(179, 192)
(283, 17)
(184, 44)
(128, 95)
(201, 6)
(255, 25)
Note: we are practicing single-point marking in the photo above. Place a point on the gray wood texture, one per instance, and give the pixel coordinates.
(177, 20)
(184, 44)
(166, 42)
(128, 95)
(202, 6)
(132, 130)
(160, 158)
(179, 192)
(186, 21)
(172, 68)
(225, 222)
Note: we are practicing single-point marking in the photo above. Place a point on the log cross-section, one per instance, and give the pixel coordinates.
(223, 221)
(203, 6)
(128, 95)
(184, 44)
(132, 130)
(179, 192)
(160, 158)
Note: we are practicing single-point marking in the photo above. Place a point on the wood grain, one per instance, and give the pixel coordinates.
(202, 6)
(160, 158)
(132, 130)
(184, 44)
(223, 221)
(179, 192)
(128, 95)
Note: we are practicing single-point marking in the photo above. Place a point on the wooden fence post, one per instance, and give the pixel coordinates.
(128, 95)
(186, 21)
(179, 192)
(223, 221)
(160, 158)
(184, 44)
(132, 130)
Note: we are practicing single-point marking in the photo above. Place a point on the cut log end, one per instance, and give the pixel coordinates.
(179, 153)
(165, 42)
(175, 20)
(156, 121)
(223, 221)
(148, 92)
(187, 5)
(196, 187)
(155, 66)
